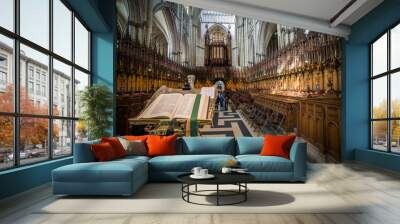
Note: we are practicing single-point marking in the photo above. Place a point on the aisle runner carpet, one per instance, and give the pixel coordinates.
(223, 124)
(166, 198)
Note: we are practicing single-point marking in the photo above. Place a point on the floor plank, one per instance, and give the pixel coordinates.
(378, 191)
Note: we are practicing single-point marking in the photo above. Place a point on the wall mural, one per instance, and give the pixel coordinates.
(276, 79)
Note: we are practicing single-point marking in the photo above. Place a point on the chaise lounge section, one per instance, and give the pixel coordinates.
(125, 176)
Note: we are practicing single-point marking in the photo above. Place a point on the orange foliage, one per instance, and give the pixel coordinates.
(33, 130)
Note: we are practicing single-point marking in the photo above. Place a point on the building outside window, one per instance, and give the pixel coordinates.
(43, 90)
(43, 77)
(385, 92)
(30, 87)
(30, 72)
(55, 97)
(38, 89)
(3, 72)
(3, 78)
(58, 128)
(37, 74)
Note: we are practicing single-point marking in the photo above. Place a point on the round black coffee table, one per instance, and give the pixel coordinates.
(238, 179)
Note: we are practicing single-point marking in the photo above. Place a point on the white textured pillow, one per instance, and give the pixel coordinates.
(135, 147)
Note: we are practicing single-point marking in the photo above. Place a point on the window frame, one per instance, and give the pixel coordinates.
(388, 74)
(16, 114)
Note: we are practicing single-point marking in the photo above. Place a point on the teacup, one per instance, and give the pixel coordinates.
(196, 171)
(203, 172)
(226, 170)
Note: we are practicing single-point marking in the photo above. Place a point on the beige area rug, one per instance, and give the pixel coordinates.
(166, 198)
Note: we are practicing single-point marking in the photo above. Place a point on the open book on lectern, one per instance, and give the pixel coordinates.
(176, 105)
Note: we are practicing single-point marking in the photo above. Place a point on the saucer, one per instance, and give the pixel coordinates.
(208, 176)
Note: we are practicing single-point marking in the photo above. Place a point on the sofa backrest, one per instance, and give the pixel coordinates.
(190, 146)
(206, 145)
(249, 145)
(83, 152)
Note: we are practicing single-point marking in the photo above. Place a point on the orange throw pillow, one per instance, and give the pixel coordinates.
(116, 145)
(134, 138)
(277, 145)
(103, 152)
(161, 145)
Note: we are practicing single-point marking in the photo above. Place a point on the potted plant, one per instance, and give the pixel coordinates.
(96, 104)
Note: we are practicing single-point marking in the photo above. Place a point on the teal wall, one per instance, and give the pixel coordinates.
(356, 86)
(104, 52)
(24, 178)
(93, 12)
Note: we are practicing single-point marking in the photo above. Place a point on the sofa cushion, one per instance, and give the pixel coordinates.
(277, 145)
(257, 163)
(161, 145)
(208, 145)
(116, 145)
(112, 171)
(134, 147)
(103, 152)
(249, 145)
(133, 157)
(136, 137)
(185, 163)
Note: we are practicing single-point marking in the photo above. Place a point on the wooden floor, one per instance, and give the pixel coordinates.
(378, 189)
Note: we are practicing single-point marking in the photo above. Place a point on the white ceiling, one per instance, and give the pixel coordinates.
(321, 9)
(315, 15)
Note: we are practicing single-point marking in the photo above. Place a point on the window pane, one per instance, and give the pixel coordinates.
(379, 97)
(379, 135)
(62, 138)
(6, 142)
(62, 29)
(7, 14)
(6, 74)
(395, 138)
(395, 47)
(35, 21)
(33, 139)
(81, 132)
(62, 89)
(395, 94)
(81, 45)
(379, 55)
(34, 97)
(81, 81)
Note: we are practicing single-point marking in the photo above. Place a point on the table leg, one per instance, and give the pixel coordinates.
(217, 194)
(245, 193)
(182, 188)
(188, 190)
(196, 187)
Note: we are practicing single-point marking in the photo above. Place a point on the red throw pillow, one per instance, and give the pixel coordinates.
(134, 138)
(103, 152)
(277, 145)
(161, 145)
(116, 145)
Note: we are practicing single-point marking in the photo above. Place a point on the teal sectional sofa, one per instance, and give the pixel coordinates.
(125, 176)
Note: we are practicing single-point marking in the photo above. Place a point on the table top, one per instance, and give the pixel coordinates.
(220, 178)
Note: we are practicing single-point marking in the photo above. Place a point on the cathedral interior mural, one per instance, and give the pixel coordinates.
(267, 78)
(199, 111)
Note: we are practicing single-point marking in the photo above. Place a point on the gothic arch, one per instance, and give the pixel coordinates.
(218, 28)
(165, 22)
(122, 16)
